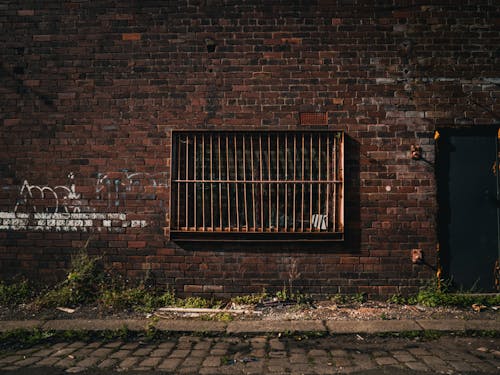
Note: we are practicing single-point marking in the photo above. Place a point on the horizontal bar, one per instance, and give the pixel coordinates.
(307, 182)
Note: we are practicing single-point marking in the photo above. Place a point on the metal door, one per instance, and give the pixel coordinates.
(468, 196)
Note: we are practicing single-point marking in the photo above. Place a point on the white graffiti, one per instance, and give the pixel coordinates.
(68, 222)
(60, 198)
(115, 186)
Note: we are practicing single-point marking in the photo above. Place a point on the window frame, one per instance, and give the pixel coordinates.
(177, 234)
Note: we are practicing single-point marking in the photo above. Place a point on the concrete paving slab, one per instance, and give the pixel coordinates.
(96, 324)
(10, 325)
(482, 325)
(442, 325)
(263, 326)
(372, 326)
(184, 325)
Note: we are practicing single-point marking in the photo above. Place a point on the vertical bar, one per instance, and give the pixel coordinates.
(211, 182)
(261, 185)
(328, 179)
(335, 178)
(245, 180)
(286, 183)
(302, 190)
(220, 183)
(195, 182)
(178, 184)
(253, 185)
(311, 183)
(319, 177)
(187, 184)
(277, 179)
(203, 179)
(294, 176)
(341, 167)
(269, 179)
(228, 184)
(236, 182)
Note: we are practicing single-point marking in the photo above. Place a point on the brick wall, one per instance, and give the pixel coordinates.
(89, 92)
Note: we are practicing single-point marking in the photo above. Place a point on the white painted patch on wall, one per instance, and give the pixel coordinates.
(67, 222)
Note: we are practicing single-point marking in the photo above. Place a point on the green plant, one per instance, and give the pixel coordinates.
(251, 299)
(82, 284)
(15, 294)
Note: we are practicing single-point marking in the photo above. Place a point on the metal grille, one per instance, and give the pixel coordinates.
(261, 182)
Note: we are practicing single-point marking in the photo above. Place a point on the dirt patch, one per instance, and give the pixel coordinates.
(321, 310)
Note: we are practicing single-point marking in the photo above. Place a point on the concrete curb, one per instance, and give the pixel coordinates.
(333, 327)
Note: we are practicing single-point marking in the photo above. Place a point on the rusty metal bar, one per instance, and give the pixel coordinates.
(203, 181)
(254, 211)
(236, 179)
(245, 181)
(286, 185)
(211, 184)
(334, 198)
(228, 184)
(261, 186)
(320, 212)
(219, 183)
(294, 177)
(311, 184)
(328, 213)
(178, 185)
(302, 188)
(277, 179)
(269, 177)
(187, 186)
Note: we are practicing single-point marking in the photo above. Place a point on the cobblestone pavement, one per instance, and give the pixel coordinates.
(263, 354)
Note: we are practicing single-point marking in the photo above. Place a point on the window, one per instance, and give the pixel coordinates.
(251, 185)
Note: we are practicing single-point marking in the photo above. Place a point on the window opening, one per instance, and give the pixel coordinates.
(257, 182)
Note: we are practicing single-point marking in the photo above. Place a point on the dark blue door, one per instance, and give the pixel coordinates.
(467, 179)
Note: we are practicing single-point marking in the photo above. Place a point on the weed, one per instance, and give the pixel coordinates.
(284, 295)
(15, 294)
(81, 285)
(251, 299)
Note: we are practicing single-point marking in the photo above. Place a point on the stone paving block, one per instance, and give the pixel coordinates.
(160, 352)
(108, 363)
(101, 352)
(113, 345)
(212, 361)
(317, 353)
(11, 359)
(88, 362)
(385, 361)
(150, 362)
(128, 363)
(141, 352)
(371, 326)
(275, 326)
(276, 344)
(435, 363)
(190, 326)
(417, 366)
(121, 354)
(49, 361)
(461, 366)
(179, 353)
(339, 353)
(170, 364)
(26, 361)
